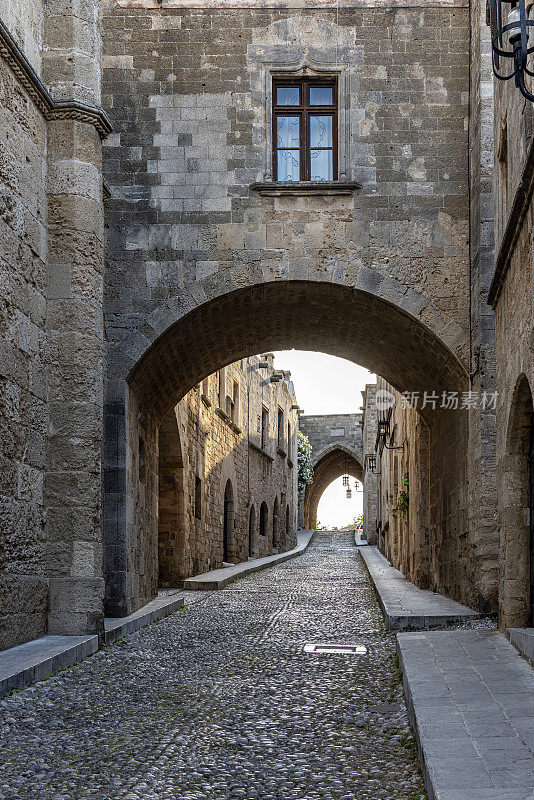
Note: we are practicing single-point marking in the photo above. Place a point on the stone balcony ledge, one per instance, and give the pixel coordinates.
(299, 188)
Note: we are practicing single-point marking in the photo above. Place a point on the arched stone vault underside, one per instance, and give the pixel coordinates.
(330, 466)
(327, 317)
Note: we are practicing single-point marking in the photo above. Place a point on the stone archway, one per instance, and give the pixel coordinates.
(171, 521)
(146, 378)
(517, 511)
(330, 465)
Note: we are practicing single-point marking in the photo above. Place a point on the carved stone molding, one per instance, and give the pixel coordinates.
(51, 109)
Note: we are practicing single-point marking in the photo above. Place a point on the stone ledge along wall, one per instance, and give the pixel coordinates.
(188, 90)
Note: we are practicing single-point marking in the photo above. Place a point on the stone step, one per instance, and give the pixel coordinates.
(404, 605)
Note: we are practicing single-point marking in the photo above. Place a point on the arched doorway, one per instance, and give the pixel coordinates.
(263, 519)
(228, 521)
(171, 520)
(251, 530)
(275, 525)
(517, 515)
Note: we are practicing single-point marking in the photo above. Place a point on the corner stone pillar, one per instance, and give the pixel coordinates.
(71, 72)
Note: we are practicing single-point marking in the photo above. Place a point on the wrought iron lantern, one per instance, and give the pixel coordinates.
(345, 480)
(370, 460)
(349, 493)
(383, 428)
(510, 36)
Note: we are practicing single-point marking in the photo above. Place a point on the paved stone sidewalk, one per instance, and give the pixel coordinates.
(404, 605)
(220, 701)
(472, 696)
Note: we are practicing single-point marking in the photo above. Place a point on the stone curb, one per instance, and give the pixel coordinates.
(117, 627)
(404, 606)
(523, 640)
(34, 661)
(219, 578)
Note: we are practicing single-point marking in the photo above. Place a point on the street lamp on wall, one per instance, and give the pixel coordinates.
(510, 35)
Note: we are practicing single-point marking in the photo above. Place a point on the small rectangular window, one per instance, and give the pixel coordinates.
(198, 498)
(304, 138)
(280, 431)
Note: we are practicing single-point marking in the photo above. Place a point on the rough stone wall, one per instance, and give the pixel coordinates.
(51, 257)
(23, 411)
(204, 438)
(482, 546)
(189, 96)
(511, 296)
(370, 491)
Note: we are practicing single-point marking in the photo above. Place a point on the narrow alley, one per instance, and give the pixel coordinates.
(222, 701)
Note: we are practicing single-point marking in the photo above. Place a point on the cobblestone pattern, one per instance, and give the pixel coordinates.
(221, 702)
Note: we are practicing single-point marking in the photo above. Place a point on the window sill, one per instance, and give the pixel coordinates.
(260, 450)
(299, 188)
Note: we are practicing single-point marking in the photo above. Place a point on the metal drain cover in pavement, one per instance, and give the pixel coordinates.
(345, 649)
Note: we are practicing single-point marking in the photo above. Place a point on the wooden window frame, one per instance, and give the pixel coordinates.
(304, 111)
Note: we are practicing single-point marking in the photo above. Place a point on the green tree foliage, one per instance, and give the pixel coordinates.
(304, 461)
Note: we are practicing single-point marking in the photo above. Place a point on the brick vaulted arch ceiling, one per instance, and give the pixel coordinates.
(326, 317)
(336, 462)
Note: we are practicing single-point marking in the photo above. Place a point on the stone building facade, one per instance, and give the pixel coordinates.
(510, 294)
(126, 283)
(402, 470)
(226, 485)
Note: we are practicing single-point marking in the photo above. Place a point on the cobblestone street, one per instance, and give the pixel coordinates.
(220, 701)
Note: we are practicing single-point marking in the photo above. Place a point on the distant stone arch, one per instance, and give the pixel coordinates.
(334, 462)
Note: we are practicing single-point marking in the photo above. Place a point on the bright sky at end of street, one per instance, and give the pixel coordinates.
(328, 385)
(325, 384)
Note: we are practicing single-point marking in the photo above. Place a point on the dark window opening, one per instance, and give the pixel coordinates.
(280, 432)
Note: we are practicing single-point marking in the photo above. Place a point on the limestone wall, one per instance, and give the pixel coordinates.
(23, 410)
(511, 296)
(212, 438)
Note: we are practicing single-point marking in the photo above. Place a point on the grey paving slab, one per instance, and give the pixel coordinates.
(403, 604)
(469, 695)
(219, 578)
(34, 661)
